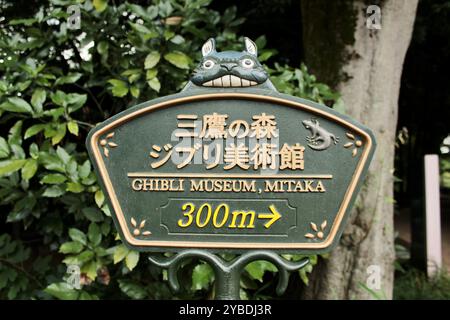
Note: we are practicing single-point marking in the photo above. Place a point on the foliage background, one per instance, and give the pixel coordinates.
(57, 83)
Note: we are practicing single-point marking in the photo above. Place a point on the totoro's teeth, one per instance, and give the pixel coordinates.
(226, 81)
(217, 82)
(229, 81)
(235, 81)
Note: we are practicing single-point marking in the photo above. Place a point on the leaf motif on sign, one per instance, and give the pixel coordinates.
(350, 136)
(348, 144)
(137, 230)
(106, 144)
(356, 143)
(319, 233)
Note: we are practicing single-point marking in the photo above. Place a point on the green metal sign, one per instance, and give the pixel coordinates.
(230, 164)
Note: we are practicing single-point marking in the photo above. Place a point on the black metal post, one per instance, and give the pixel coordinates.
(228, 273)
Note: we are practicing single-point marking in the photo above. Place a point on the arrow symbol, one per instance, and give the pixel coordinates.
(273, 216)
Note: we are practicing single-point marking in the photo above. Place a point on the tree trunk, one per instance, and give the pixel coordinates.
(365, 65)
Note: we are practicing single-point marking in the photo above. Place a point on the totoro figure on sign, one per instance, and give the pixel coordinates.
(230, 69)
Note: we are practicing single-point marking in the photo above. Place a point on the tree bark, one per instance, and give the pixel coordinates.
(365, 66)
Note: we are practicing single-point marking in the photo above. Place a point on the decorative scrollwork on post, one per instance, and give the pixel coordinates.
(228, 273)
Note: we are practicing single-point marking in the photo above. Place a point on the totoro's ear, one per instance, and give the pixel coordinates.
(250, 47)
(208, 47)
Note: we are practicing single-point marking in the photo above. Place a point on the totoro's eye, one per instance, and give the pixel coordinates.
(248, 63)
(208, 64)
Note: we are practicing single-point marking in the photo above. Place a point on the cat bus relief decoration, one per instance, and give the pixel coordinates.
(230, 164)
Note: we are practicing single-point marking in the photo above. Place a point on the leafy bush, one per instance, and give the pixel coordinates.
(56, 83)
(414, 285)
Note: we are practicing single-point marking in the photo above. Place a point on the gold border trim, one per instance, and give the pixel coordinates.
(228, 175)
(227, 245)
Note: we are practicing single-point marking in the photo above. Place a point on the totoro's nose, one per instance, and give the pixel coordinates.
(228, 66)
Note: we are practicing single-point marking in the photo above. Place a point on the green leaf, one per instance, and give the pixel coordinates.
(71, 101)
(304, 273)
(55, 113)
(62, 291)
(34, 151)
(84, 257)
(202, 276)
(77, 235)
(152, 59)
(119, 88)
(9, 166)
(94, 234)
(177, 39)
(4, 148)
(137, 10)
(256, 269)
(76, 101)
(140, 28)
(93, 214)
(75, 187)
(84, 169)
(21, 104)
(70, 78)
(53, 192)
(51, 162)
(60, 133)
(73, 127)
(27, 22)
(151, 73)
(16, 104)
(120, 253)
(99, 198)
(29, 169)
(178, 59)
(86, 296)
(154, 84)
(102, 47)
(168, 34)
(90, 269)
(71, 247)
(339, 106)
(105, 210)
(135, 91)
(100, 5)
(266, 55)
(132, 260)
(63, 154)
(37, 99)
(132, 290)
(3, 86)
(53, 178)
(33, 130)
(15, 134)
(59, 98)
